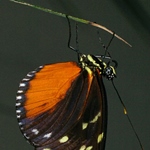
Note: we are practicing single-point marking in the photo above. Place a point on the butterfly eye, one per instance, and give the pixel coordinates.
(109, 72)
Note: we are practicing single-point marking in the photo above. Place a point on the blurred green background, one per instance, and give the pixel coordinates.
(29, 38)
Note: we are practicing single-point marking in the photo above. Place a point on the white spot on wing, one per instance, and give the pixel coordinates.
(35, 131)
(20, 123)
(18, 116)
(26, 136)
(41, 66)
(19, 91)
(35, 144)
(18, 104)
(30, 75)
(25, 79)
(46, 149)
(48, 135)
(21, 128)
(22, 85)
(64, 139)
(18, 111)
(19, 97)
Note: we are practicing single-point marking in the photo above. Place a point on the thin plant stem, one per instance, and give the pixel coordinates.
(72, 18)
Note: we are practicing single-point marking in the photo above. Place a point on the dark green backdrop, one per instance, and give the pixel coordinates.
(29, 38)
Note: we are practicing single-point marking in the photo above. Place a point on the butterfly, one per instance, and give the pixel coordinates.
(64, 106)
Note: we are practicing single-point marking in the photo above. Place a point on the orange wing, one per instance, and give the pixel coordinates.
(49, 87)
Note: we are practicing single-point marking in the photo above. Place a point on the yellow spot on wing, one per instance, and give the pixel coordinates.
(84, 125)
(100, 137)
(83, 147)
(96, 118)
(64, 139)
(89, 148)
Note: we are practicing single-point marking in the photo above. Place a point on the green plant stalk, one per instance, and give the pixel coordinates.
(72, 18)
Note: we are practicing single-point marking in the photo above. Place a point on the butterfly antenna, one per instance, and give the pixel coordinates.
(106, 47)
(126, 113)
